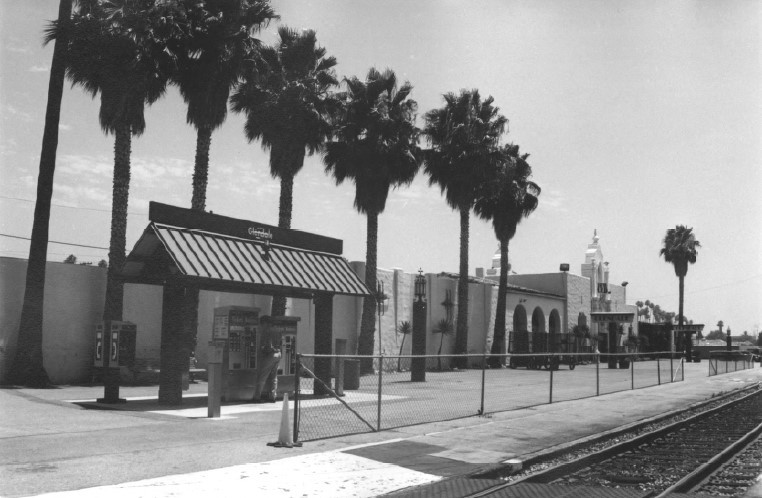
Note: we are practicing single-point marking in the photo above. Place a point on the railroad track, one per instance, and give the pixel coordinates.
(716, 452)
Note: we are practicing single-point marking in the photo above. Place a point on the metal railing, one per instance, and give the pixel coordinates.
(387, 397)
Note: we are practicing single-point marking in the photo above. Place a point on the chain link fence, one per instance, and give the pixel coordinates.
(721, 362)
(395, 395)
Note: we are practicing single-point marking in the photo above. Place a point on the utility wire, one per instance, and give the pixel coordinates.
(55, 242)
(701, 290)
(68, 207)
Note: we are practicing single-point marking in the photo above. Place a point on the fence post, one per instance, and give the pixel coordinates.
(598, 374)
(484, 370)
(380, 378)
(658, 369)
(297, 382)
(682, 369)
(550, 367)
(632, 373)
(671, 369)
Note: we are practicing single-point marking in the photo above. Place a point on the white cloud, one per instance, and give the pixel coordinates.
(154, 168)
(39, 69)
(82, 195)
(553, 200)
(17, 113)
(79, 168)
(64, 127)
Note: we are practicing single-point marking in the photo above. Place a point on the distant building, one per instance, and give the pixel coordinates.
(588, 300)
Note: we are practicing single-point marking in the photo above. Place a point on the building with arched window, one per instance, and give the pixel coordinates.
(557, 302)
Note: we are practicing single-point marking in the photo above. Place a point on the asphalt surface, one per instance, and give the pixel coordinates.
(52, 441)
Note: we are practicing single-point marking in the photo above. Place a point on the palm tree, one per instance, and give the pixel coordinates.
(287, 100)
(215, 40)
(218, 37)
(443, 328)
(375, 146)
(405, 328)
(506, 199)
(118, 50)
(464, 136)
(27, 367)
(680, 249)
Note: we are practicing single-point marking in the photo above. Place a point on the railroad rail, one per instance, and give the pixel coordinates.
(715, 452)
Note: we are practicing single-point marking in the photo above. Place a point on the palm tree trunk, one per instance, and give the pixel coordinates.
(498, 340)
(285, 209)
(286, 202)
(189, 332)
(201, 169)
(439, 353)
(27, 367)
(118, 243)
(681, 279)
(367, 323)
(402, 345)
(461, 333)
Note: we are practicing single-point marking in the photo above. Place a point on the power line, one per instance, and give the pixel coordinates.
(68, 207)
(702, 290)
(22, 254)
(55, 242)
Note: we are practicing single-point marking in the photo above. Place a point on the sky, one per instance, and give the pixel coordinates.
(637, 115)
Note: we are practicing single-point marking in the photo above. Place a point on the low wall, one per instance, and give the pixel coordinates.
(74, 296)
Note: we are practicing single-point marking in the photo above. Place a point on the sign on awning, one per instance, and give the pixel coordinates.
(698, 327)
(610, 316)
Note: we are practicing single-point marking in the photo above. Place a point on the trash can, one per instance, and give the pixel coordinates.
(351, 375)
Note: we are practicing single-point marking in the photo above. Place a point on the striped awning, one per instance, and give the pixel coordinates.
(209, 256)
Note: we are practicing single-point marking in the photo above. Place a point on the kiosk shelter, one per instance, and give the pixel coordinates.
(185, 251)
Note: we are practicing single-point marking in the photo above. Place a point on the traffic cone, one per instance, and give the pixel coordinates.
(284, 438)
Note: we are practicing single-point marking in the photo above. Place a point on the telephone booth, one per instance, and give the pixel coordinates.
(114, 344)
(235, 333)
(278, 333)
(250, 346)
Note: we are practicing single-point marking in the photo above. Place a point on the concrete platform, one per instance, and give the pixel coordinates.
(50, 445)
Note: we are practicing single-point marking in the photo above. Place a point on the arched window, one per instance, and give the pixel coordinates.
(538, 320)
(519, 319)
(555, 322)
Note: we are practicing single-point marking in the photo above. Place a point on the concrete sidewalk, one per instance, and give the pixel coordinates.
(50, 445)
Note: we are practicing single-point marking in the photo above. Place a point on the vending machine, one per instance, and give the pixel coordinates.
(235, 335)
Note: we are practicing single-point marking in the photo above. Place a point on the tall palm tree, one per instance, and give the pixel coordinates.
(375, 146)
(505, 200)
(117, 50)
(464, 136)
(215, 39)
(681, 249)
(27, 367)
(287, 100)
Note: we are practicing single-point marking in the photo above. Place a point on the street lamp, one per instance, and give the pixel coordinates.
(420, 287)
(729, 341)
(418, 363)
(380, 298)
